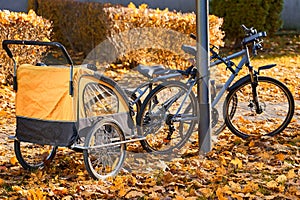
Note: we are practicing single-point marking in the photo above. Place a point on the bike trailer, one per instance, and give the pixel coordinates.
(56, 104)
(48, 114)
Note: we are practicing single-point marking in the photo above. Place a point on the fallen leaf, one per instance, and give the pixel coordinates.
(291, 174)
(207, 192)
(264, 155)
(179, 197)
(251, 143)
(235, 187)
(134, 194)
(36, 194)
(222, 191)
(250, 187)
(1, 181)
(281, 178)
(13, 160)
(272, 184)
(16, 188)
(280, 157)
(122, 192)
(237, 162)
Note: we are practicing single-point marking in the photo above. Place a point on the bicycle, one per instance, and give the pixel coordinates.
(156, 75)
(170, 112)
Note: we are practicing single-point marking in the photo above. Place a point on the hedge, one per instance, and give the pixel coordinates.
(264, 15)
(21, 26)
(82, 26)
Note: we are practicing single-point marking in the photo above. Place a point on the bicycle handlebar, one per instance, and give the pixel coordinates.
(251, 33)
(5, 44)
(253, 38)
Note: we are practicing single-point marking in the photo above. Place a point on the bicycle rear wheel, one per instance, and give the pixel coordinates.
(102, 157)
(167, 117)
(33, 156)
(275, 100)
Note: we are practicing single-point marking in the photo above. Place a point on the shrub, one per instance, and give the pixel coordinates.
(264, 15)
(21, 26)
(81, 26)
(160, 32)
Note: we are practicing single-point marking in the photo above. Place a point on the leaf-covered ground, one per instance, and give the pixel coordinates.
(268, 168)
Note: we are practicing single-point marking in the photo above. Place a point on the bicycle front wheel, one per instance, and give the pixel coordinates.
(105, 154)
(33, 156)
(275, 102)
(167, 117)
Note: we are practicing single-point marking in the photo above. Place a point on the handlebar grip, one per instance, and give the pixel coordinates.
(244, 27)
(5, 44)
(246, 30)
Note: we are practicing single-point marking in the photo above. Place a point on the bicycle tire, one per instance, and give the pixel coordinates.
(272, 94)
(33, 156)
(107, 161)
(155, 120)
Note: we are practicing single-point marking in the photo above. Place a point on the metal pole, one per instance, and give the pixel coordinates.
(204, 127)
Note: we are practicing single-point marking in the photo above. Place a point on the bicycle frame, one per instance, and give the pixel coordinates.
(244, 53)
(244, 61)
(142, 89)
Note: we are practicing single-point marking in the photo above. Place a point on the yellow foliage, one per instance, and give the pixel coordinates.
(222, 191)
(36, 194)
(13, 160)
(237, 162)
(291, 174)
(1, 181)
(131, 5)
(250, 187)
(154, 36)
(272, 184)
(281, 178)
(21, 26)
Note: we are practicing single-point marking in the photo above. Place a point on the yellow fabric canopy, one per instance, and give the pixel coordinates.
(43, 93)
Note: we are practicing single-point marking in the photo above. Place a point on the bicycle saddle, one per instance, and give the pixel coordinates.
(189, 49)
(149, 71)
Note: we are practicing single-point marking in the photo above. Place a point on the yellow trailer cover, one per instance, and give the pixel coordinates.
(43, 93)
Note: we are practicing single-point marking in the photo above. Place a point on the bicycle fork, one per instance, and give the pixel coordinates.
(254, 84)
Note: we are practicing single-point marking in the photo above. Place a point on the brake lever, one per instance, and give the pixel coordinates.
(249, 31)
(257, 46)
